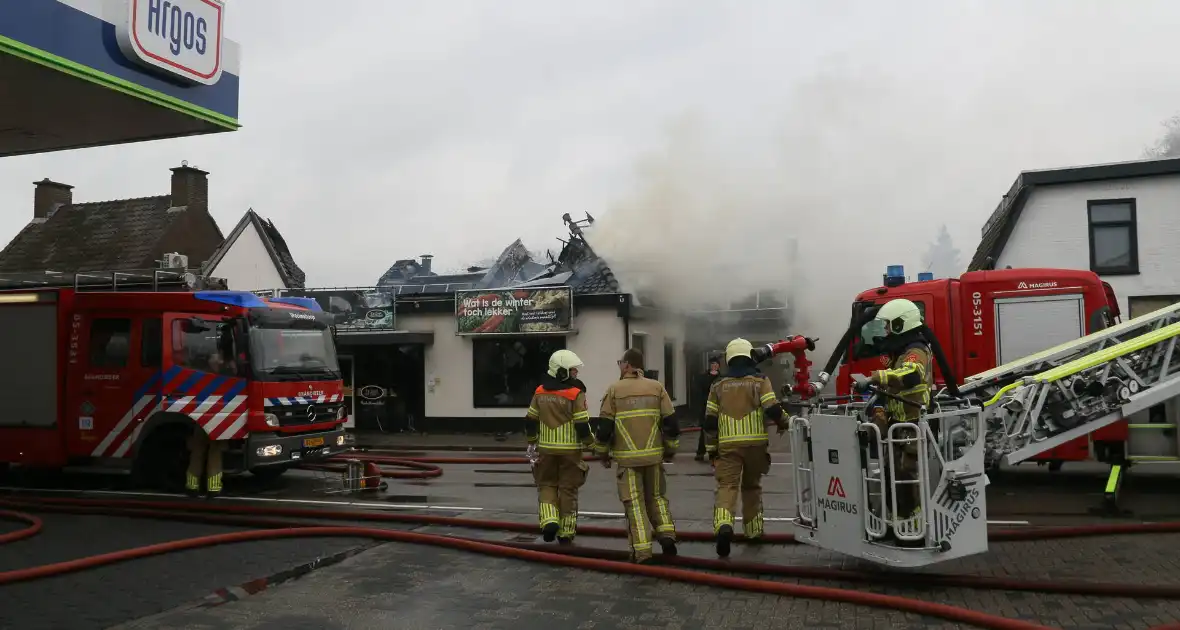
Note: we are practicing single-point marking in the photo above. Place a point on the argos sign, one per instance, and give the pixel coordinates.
(181, 37)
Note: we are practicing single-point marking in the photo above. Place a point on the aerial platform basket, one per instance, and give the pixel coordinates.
(844, 495)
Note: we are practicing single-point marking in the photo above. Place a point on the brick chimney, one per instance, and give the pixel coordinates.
(49, 196)
(426, 258)
(190, 187)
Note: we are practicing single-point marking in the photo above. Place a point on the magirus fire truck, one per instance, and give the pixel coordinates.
(118, 373)
(1013, 412)
(984, 319)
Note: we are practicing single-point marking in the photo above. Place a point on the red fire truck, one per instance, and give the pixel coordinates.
(988, 318)
(119, 379)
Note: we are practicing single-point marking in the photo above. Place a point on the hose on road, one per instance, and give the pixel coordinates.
(683, 569)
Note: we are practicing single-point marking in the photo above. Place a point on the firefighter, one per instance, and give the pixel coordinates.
(897, 332)
(737, 442)
(637, 429)
(557, 426)
(204, 463)
(704, 384)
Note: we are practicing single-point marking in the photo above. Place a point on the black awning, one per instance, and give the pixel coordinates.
(383, 338)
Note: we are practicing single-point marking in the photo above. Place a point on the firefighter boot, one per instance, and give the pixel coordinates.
(724, 538)
(667, 544)
(549, 532)
(192, 485)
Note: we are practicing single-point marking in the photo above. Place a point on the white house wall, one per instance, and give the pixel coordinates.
(247, 266)
(598, 342)
(1053, 231)
(657, 331)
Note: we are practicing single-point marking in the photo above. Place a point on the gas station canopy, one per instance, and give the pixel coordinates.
(83, 73)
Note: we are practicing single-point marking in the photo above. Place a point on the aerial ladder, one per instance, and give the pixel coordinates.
(1044, 400)
(843, 490)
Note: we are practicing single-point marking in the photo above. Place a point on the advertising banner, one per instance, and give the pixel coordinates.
(355, 309)
(514, 311)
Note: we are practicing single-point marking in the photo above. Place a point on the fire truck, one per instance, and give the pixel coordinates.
(987, 319)
(847, 503)
(117, 375)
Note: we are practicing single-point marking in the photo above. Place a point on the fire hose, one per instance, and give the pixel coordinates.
(280, 522)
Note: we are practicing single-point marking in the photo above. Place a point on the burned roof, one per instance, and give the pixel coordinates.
(121, 234)
(276, 247)
(999, 226)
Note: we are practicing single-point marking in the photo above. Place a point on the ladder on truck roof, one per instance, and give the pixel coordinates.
(986, 383)
(1039, 412)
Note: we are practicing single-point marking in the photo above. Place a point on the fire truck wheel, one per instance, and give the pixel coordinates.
(163, 459)
(269, 473)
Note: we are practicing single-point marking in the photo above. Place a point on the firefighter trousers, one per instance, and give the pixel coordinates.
(739, 471)
(559, 477)
(644, 493)
(204, 462)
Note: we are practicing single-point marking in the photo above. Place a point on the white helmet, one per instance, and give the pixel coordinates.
(563, 360)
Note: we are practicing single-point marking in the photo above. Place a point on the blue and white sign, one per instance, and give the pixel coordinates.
(184, 38)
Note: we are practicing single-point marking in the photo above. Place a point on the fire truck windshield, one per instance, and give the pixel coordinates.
(293, 354)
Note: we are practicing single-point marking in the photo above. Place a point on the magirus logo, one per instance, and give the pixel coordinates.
(1036, 285)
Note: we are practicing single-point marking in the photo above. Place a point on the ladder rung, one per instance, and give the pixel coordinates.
(1153, 425)
(1153, 458)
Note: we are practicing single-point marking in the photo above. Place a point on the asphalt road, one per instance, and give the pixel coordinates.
(401, 586)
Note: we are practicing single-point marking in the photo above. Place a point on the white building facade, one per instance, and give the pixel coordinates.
(1121, 221)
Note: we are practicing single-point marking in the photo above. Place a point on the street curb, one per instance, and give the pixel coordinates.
(241, 591)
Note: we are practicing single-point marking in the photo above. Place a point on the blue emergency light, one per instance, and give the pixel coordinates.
(894, 275)
(244, 299)
(925, 275)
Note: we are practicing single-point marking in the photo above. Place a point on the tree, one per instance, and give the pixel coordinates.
(942, 259)
(1169, 144)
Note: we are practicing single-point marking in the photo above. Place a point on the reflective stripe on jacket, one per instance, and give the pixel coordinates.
(738, 403)
(558, 414)
(637, 406)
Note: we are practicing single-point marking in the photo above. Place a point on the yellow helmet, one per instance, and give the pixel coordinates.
(563, 359)
(894, 318)
(738, 348)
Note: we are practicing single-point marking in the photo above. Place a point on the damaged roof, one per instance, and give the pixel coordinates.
(276, 247)
(111, 235)
(999, 226)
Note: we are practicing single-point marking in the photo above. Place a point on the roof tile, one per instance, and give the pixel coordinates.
(111, 235)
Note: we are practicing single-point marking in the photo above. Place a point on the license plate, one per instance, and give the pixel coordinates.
(310, 442)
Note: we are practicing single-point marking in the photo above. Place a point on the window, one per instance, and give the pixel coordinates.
(151, 344)
(1144, 304)
(639, 342)
(110, 342)
(507, 371)
(203, 345)
(1114, 241)
(669, 365)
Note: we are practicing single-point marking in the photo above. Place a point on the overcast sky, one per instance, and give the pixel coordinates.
(381, 129)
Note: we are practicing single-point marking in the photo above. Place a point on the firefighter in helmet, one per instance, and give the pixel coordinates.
(637, 428)
(736, 411)
(204, 464)
(557, 426)
(897, 331)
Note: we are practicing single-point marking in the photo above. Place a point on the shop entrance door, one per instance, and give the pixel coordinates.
(347, 367)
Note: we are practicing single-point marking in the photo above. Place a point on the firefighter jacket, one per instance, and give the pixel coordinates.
(909, 377)
(557, 420)
(737, 408)
(637, 424)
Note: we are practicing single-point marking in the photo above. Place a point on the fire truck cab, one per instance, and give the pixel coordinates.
(984, 319)
(120, 379)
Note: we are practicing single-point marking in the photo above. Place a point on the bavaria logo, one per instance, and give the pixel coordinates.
(372, 392)
(181, 37)
(836, 488)
(1036, 285)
